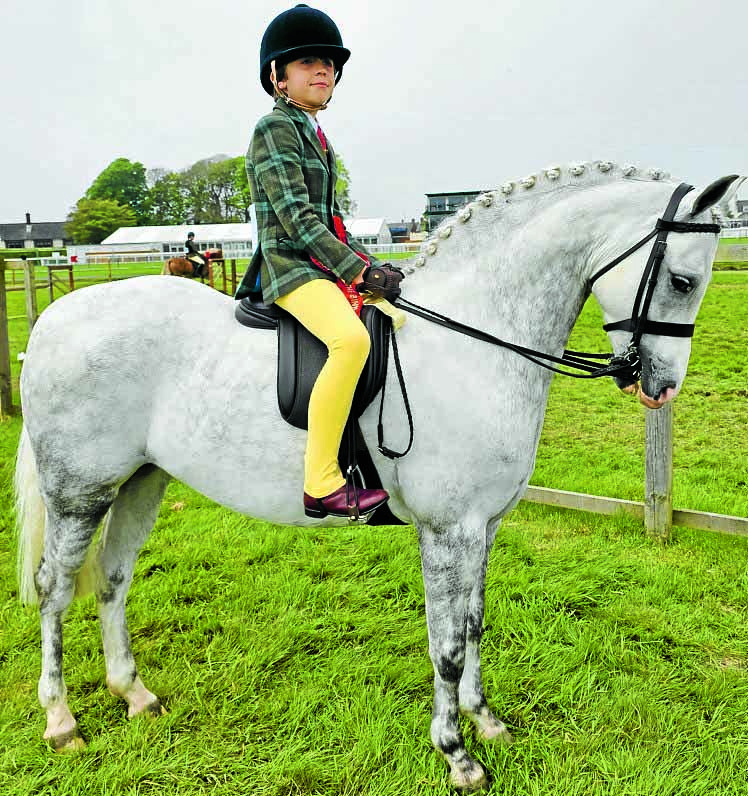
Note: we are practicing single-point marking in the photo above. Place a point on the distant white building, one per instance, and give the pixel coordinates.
(235, 240)
(369, 231)
(229, 237)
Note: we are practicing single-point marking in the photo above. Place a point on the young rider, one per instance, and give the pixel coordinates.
(303, 258)
(193, 253)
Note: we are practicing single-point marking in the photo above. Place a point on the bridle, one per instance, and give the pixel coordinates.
(639, 324)
(627, 366)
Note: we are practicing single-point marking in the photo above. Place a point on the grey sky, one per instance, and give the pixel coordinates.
(438, 95)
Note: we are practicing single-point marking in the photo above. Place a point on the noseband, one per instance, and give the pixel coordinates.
(639, 324)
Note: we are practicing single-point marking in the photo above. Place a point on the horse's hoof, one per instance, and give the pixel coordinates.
(153, 709)
(69, 742)
(497, 734)
(468, 777)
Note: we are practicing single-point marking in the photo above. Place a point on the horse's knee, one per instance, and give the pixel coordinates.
(449, 667)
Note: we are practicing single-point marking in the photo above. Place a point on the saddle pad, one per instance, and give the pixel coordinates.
(301, 356)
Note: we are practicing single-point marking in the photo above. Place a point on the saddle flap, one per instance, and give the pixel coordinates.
(301, 356)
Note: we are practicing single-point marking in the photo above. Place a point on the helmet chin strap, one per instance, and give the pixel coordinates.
(289, 101)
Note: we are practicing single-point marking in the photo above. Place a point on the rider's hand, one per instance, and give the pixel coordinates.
(382, 281)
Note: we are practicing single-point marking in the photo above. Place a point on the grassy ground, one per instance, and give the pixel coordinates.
(294, 661)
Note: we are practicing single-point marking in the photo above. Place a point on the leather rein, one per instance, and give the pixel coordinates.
(627, 366)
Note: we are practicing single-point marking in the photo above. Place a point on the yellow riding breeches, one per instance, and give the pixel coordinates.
(323, 309)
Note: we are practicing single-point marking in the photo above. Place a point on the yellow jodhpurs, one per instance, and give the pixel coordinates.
(323, 309)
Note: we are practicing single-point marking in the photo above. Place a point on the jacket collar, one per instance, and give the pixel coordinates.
(306, 128)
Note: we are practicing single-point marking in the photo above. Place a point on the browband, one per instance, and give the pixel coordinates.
(687, 226)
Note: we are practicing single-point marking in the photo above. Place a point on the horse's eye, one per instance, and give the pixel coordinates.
(681, 283)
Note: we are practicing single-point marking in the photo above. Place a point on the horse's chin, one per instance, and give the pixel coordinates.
(651, 403)
(655, 403)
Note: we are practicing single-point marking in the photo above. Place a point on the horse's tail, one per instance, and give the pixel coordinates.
(31, 519)
(166, 271)
(31, 523)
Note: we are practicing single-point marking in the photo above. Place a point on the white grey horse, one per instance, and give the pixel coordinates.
(104, 378)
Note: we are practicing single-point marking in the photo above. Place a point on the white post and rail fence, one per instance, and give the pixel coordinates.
(656, 511)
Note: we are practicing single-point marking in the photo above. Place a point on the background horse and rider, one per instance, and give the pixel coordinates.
(519, 263)
(181, 266)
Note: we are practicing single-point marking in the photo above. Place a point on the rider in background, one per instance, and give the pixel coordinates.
(193, 253)
(305, 262)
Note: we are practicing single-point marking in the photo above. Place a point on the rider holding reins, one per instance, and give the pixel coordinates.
(303, 257)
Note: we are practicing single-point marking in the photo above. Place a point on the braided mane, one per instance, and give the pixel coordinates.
(581, 174)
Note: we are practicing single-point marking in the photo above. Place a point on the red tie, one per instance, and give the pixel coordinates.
(322, 139)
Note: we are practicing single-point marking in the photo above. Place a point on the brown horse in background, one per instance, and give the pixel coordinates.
(181, 266)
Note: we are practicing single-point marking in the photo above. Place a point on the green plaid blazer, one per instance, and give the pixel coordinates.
(293, 188)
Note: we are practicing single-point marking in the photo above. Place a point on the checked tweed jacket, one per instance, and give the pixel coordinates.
(293, 188)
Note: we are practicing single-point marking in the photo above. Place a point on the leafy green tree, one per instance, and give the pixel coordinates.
(124, 182)
(242, 197)
(167, 200)
(92, 220)
(221, 189)
(342, 188)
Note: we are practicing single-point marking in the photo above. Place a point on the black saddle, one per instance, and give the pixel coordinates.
(301, 356)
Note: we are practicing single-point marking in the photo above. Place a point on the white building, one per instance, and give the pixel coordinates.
(235, 240)
(369, 231)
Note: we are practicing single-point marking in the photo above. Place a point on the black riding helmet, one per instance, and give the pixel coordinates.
(298, 32)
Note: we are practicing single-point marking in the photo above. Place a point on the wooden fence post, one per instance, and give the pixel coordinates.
(6, 396)
(658, 498)
(233, 277)
(29, 283)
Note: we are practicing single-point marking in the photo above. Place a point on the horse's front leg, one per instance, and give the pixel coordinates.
(473, 703)
(451, 560)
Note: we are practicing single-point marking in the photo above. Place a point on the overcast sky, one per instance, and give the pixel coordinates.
(438, 95)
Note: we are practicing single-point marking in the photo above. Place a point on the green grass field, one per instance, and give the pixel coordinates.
(294, 661)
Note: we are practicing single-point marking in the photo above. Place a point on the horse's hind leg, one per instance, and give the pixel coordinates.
(127, 526)
(67, 538)
(473, 703)
(451, 560)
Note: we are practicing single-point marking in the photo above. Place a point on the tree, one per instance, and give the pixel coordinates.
(167, 200)
(242, 198)
(342, 188)
(125, 183)
(92, 220)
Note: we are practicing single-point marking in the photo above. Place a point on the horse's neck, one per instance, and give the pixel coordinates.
(520, 270)
(510, 276)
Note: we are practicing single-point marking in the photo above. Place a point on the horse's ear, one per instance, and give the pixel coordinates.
(721, 191)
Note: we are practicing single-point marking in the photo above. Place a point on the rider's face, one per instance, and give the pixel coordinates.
(309, 80)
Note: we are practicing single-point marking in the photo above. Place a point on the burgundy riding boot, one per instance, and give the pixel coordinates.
(336, 504)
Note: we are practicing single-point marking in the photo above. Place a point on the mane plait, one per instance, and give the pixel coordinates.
(582, 174)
